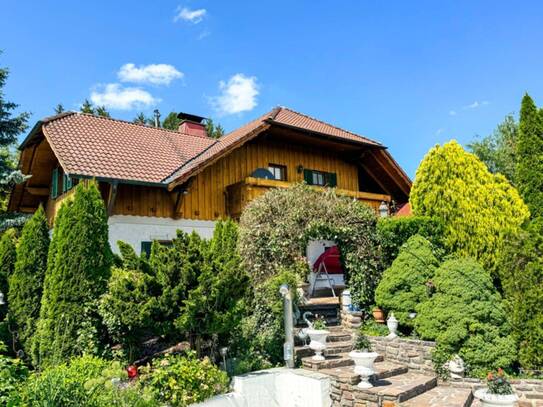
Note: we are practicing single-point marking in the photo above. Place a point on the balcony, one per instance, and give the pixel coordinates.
(240, 194)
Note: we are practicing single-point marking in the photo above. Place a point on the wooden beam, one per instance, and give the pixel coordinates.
(111, 197)
(39, 191)
(27, 209)
(370, 172)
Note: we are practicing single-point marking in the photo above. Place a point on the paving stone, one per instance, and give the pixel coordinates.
(404, 386)
(442, 396)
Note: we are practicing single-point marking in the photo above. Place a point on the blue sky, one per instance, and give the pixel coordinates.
(409, 74)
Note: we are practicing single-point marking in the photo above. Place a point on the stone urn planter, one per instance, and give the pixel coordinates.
(495, 400)
(318, 341)
(364, 366)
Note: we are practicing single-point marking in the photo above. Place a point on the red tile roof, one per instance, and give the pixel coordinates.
(101, 147)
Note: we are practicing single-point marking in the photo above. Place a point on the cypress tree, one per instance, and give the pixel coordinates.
(529, 170)
(26, 281)
(7, 261)
(80, 261)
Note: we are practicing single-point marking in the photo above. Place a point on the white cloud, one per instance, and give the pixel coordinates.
(452, 113)
(115, 96)
(157, 74)
(237, 95)
(192, 16)
(476, 104)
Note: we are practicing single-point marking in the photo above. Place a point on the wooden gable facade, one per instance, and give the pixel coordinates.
(227, 182)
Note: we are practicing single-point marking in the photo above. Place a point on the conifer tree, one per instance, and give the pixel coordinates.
(8, 256)
(81, 259)
(26, 281)
(476, 208)
(529, 171)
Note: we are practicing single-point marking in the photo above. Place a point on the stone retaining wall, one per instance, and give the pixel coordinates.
(530, 391)
(415, 354)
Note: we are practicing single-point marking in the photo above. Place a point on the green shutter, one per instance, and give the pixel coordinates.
(54, 184)
(332, 179)
(69, 183)
(308, 177)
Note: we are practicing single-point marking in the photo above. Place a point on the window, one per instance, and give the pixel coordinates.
(320, 178)
(67, 183)
(146, 246)
(279, 172)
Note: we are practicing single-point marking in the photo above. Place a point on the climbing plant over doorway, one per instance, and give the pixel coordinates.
(276, 227)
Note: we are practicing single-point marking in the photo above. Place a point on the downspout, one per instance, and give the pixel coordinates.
(288, 347)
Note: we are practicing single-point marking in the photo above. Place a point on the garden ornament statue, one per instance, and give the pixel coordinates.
(456, 367)
(392, 324)
(288, 347)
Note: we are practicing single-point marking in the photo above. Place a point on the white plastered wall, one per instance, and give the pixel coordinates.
(137, 229)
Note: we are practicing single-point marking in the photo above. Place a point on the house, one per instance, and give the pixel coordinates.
(155, 181)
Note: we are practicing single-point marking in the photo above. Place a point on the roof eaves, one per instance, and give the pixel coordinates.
(37, 127)
(362, 141)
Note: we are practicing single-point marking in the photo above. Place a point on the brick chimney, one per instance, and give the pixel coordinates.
(192, 125)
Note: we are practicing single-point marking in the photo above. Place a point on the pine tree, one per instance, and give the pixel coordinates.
(80, 260)
(10, 127)
(87, 107)
(214, 131)
(171, 122)
(101, 111)
(26, 281)
(8, 255)
(140, 119)
(529, 171)
(59, 109)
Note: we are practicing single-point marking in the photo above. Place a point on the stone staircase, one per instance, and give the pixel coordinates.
(394, 384)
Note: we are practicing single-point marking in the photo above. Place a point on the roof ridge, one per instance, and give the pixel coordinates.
(328, 124)
(135, 124)
(266, 116)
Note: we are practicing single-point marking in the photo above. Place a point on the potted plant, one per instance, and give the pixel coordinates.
(363, 359)
(498, 391)
(318, 334)
(378, 315)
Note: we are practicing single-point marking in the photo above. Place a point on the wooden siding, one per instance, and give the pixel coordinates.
(210, 195)
(241, 193)
(206, 198)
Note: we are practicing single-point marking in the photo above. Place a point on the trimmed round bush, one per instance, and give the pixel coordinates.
(403, 285)
(466, 316)
(276, 227)
(395, 231)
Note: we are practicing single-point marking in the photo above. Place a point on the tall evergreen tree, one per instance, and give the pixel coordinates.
(59, 109)
(529, 171)
(214, 131)
(80, 260)
(26, 281)
(10, 127)
(8, 256)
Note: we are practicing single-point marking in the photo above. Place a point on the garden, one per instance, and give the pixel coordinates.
(82, 326)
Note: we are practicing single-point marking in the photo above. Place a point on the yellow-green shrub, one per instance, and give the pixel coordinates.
(477, 208)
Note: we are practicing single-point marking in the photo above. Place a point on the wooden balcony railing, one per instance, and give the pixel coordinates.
(243, 192)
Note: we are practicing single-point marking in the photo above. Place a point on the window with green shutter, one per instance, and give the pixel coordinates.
(54, 184)
(67, 183)
(320, 178)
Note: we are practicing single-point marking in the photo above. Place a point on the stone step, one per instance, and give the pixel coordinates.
(332, 348)
(442, 396)
(337, 334)
(383, 370)
(332, 361)
(398, 388)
